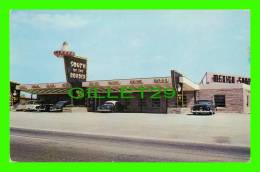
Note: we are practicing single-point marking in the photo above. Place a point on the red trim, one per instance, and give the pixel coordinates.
(61, 53)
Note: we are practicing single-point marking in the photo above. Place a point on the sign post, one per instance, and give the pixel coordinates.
(178, 87)
(75, 67)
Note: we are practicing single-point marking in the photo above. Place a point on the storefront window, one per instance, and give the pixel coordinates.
(126, 103)
(142, 103)
(220, 100)
(184, 101)
(156, 103)
(180, 102)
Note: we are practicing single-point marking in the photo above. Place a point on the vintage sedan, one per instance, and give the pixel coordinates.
(58, 107)
(20, 107)
(110, 106)
(32, 105)
(203, 107)
(44, 107)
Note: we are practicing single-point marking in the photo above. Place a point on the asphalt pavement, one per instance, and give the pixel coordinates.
(49, 146)
(129, 137)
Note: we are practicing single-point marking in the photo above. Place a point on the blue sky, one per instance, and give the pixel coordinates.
(130, 44)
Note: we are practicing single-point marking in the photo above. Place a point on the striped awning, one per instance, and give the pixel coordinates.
(45, 88)
(46, 91)
(133, 88)
(41, 89)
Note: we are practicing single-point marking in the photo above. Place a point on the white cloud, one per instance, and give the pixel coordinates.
(49, 20)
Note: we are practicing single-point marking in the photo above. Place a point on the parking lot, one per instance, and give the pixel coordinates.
(221, 128)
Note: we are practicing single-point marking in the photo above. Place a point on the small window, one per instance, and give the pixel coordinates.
(220, 100)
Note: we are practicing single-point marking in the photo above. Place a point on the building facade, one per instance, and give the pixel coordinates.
(229, 95)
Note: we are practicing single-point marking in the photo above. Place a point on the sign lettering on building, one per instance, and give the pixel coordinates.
(113, 83)
(22, 87)
(230, 79)
(65, 85)
(35, 86)
(92, 84)
(161, 80)
(136, 82)
(50, 86)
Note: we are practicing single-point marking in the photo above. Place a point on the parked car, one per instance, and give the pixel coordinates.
(110, 106)
(20, 107)
(32, 105)
(58, 107)
(203, 107)
(44, 107)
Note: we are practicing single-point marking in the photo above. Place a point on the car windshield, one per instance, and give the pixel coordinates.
(107, 105)
(34, 102)
(61, 103)
(110, 102)
(208, 102)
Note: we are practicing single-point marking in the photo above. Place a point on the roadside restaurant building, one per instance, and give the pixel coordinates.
(230, 93)
(228, 97)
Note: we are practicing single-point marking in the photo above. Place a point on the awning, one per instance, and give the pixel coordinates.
(46, 91)
(44, 88)
(114, 85)
(188, 85)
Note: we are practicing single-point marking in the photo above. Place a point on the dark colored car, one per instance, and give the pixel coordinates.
(203, 107)
(110, 106)
(58, 107)
(44, 107)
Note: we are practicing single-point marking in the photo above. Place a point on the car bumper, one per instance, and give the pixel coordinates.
(56, 110)
(31, 109)
(19, 109)
(202, 111)
(103, 110)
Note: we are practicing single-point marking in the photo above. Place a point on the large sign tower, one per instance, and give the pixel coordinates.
(75, 66)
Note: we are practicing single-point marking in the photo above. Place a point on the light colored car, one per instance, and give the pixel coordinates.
(20, 107)
(32, 105)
